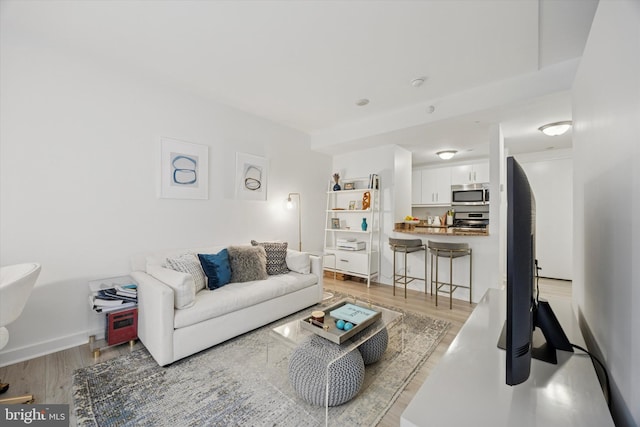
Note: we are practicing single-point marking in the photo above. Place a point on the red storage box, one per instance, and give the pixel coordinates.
(122, 326)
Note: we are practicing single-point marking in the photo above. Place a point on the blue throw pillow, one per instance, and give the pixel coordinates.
(217, 268)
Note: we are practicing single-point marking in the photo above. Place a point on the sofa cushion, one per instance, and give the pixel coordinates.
(300, 262)
(236, 296)
(189, 263)
(247, 263)
(217, 268)
(276, 256)
(184, 289)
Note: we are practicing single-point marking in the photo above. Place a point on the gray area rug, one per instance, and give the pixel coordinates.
(230, 385)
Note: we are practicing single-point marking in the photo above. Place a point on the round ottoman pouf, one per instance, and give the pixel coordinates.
(373, 349)
(308, 370)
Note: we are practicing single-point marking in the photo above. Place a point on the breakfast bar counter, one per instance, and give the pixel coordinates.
(440, 231)
(485, 264)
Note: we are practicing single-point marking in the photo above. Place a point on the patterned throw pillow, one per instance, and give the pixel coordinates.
(217, 268)
(276, 256)
(247, 263)
(188, 263)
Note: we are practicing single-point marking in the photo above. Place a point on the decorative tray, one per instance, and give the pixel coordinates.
(360, 317)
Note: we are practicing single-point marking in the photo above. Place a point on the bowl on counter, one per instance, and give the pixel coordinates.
(413, 221)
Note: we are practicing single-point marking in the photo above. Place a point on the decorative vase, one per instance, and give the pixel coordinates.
(336, 187)
(364, 224)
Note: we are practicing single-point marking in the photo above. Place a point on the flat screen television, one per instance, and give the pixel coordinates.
(525, 312)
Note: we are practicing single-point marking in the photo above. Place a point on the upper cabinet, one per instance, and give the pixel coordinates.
(416, 187)
(470, 174)
(431, 186)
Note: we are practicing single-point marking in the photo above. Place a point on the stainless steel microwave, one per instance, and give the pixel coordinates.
(470, 194)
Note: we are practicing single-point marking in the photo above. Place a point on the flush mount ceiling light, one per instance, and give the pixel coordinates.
(555, 129)
(446, 154)
(418, 81)
(362, 102)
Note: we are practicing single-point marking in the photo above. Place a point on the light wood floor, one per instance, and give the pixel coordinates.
(49, 377)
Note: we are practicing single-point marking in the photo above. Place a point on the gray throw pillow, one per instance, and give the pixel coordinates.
(276, 256)
(247, 263)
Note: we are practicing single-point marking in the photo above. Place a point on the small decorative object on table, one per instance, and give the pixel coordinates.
(318, 316)
(317, 319)
(336, 178)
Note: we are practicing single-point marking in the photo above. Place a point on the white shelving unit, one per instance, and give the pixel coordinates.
(344, 217)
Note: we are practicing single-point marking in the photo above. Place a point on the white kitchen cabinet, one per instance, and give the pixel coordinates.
(416, 187)
(470, 174)
(436, 186)
(356, 262)
(344, 221)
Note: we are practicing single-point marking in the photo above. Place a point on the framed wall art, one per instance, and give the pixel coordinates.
(184, 170)
(251, 177)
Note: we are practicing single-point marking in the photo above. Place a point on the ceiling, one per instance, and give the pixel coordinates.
(304, 64)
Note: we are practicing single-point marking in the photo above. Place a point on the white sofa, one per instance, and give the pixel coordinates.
(170, 334)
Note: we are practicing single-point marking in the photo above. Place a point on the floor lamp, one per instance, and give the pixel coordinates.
(290, 206)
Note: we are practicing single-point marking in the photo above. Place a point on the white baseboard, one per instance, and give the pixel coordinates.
(43, 348)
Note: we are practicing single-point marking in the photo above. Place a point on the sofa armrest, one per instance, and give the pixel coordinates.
(317, 269)
(155, 316)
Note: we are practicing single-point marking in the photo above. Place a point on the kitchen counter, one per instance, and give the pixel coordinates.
(443, 231)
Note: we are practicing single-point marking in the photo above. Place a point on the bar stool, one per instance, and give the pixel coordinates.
(451, 251)
(407, 246)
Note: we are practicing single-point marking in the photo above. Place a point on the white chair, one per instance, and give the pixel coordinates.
(16, 283)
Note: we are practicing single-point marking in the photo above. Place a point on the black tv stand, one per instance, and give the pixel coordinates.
(556, 339)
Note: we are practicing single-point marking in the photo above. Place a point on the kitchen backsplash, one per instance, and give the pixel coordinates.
(424, 212)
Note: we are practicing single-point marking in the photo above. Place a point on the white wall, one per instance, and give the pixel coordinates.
(606, 114)
(79, 157)
(550, 174)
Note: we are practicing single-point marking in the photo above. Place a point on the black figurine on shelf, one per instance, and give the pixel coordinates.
(336, 178)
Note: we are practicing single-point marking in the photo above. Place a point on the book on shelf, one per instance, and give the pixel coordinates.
(126, 294)
(115, 308)
(99, 302)
(127, 289)
(105, 306)
(374, 181)
(112, 293)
